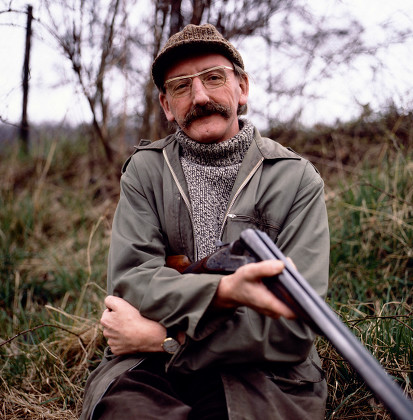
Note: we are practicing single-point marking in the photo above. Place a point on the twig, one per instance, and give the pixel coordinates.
(354, 322)
(36, 328)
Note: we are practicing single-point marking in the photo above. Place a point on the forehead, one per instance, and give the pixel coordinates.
(195, 64)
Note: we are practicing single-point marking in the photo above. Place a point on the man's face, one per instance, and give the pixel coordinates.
(214, 111)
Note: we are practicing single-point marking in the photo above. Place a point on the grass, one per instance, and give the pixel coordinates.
(371, 220)
(373, 235)
(56, 208)
(54, 237)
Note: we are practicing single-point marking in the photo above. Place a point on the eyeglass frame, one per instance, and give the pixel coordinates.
(191, 76)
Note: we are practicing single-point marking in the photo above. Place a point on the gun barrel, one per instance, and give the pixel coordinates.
(325, 321)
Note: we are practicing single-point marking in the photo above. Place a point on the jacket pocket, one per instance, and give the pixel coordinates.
(240, 222)
(292, 377)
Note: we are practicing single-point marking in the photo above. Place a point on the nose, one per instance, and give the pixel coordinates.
(198, 92)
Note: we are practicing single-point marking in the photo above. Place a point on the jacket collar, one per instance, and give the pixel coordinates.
(268, 148)
(271, 149)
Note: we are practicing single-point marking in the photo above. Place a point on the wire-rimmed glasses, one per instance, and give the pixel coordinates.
(212, 78)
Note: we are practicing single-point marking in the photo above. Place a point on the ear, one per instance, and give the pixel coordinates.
(166, 106)
(245, 87)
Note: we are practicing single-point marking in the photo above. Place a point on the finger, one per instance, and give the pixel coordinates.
(106, 333)
(291, 262)
(274, 307)
(108, 301)
(105, 318)
(285, 311)
(274, 267)
(111, 302)
(115, 349)
(111, 344)
(267, 268)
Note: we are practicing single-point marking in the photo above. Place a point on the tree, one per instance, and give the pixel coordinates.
(88, 33)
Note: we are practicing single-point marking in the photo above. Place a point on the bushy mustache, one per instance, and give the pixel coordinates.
(210, 108)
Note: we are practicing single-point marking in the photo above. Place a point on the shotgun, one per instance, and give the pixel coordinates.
(291, 287)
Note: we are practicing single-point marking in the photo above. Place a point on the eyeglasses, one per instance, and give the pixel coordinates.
(212, 78)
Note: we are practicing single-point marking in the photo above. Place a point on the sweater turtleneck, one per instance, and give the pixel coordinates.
(210, 171)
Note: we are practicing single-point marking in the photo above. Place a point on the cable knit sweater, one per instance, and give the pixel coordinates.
(210, 171)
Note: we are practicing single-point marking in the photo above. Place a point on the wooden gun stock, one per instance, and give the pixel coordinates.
(178, 262)
(291, 287)
(224, 261)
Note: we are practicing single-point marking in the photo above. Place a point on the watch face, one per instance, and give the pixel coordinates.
(170, 345)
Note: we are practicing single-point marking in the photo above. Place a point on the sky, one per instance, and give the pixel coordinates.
(52, 101)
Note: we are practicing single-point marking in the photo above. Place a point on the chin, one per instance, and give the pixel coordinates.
(210, 130)
(205, 136)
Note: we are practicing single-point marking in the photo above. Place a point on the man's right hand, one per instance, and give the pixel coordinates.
(245, 287)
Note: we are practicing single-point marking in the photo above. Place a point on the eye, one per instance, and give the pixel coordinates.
(180, 85)
(214, 78)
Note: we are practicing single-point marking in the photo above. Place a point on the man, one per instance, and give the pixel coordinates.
(201, 346)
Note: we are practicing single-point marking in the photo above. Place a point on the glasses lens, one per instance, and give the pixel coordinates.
(179, 87)
(213, 78)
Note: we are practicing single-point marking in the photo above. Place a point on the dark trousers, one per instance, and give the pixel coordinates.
(147, 392)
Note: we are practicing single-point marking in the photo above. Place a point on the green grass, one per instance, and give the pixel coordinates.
(372, 235)
(371, 220)
(54, 238)
(56, 208)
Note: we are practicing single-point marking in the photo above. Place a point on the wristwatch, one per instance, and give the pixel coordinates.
(170, 344)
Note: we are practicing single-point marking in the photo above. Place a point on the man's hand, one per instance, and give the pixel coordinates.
(244, 287)
(127, 331)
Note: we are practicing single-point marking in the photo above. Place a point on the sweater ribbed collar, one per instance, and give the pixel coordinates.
(225, 153)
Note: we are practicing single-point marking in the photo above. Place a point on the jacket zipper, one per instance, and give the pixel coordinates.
(251, 219)
(185, 198)
(228, 214)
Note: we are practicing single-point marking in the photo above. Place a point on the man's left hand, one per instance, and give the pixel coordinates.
(127, 331)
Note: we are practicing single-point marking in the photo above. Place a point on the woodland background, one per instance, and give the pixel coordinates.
(60, 187)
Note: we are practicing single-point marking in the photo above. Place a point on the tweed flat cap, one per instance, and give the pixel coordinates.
(193, 39)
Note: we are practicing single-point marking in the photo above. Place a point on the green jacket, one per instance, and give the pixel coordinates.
(268, 366)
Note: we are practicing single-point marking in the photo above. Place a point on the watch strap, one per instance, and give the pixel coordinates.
(172, 332)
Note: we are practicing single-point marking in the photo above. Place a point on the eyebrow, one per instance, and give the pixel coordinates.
(199, 73)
